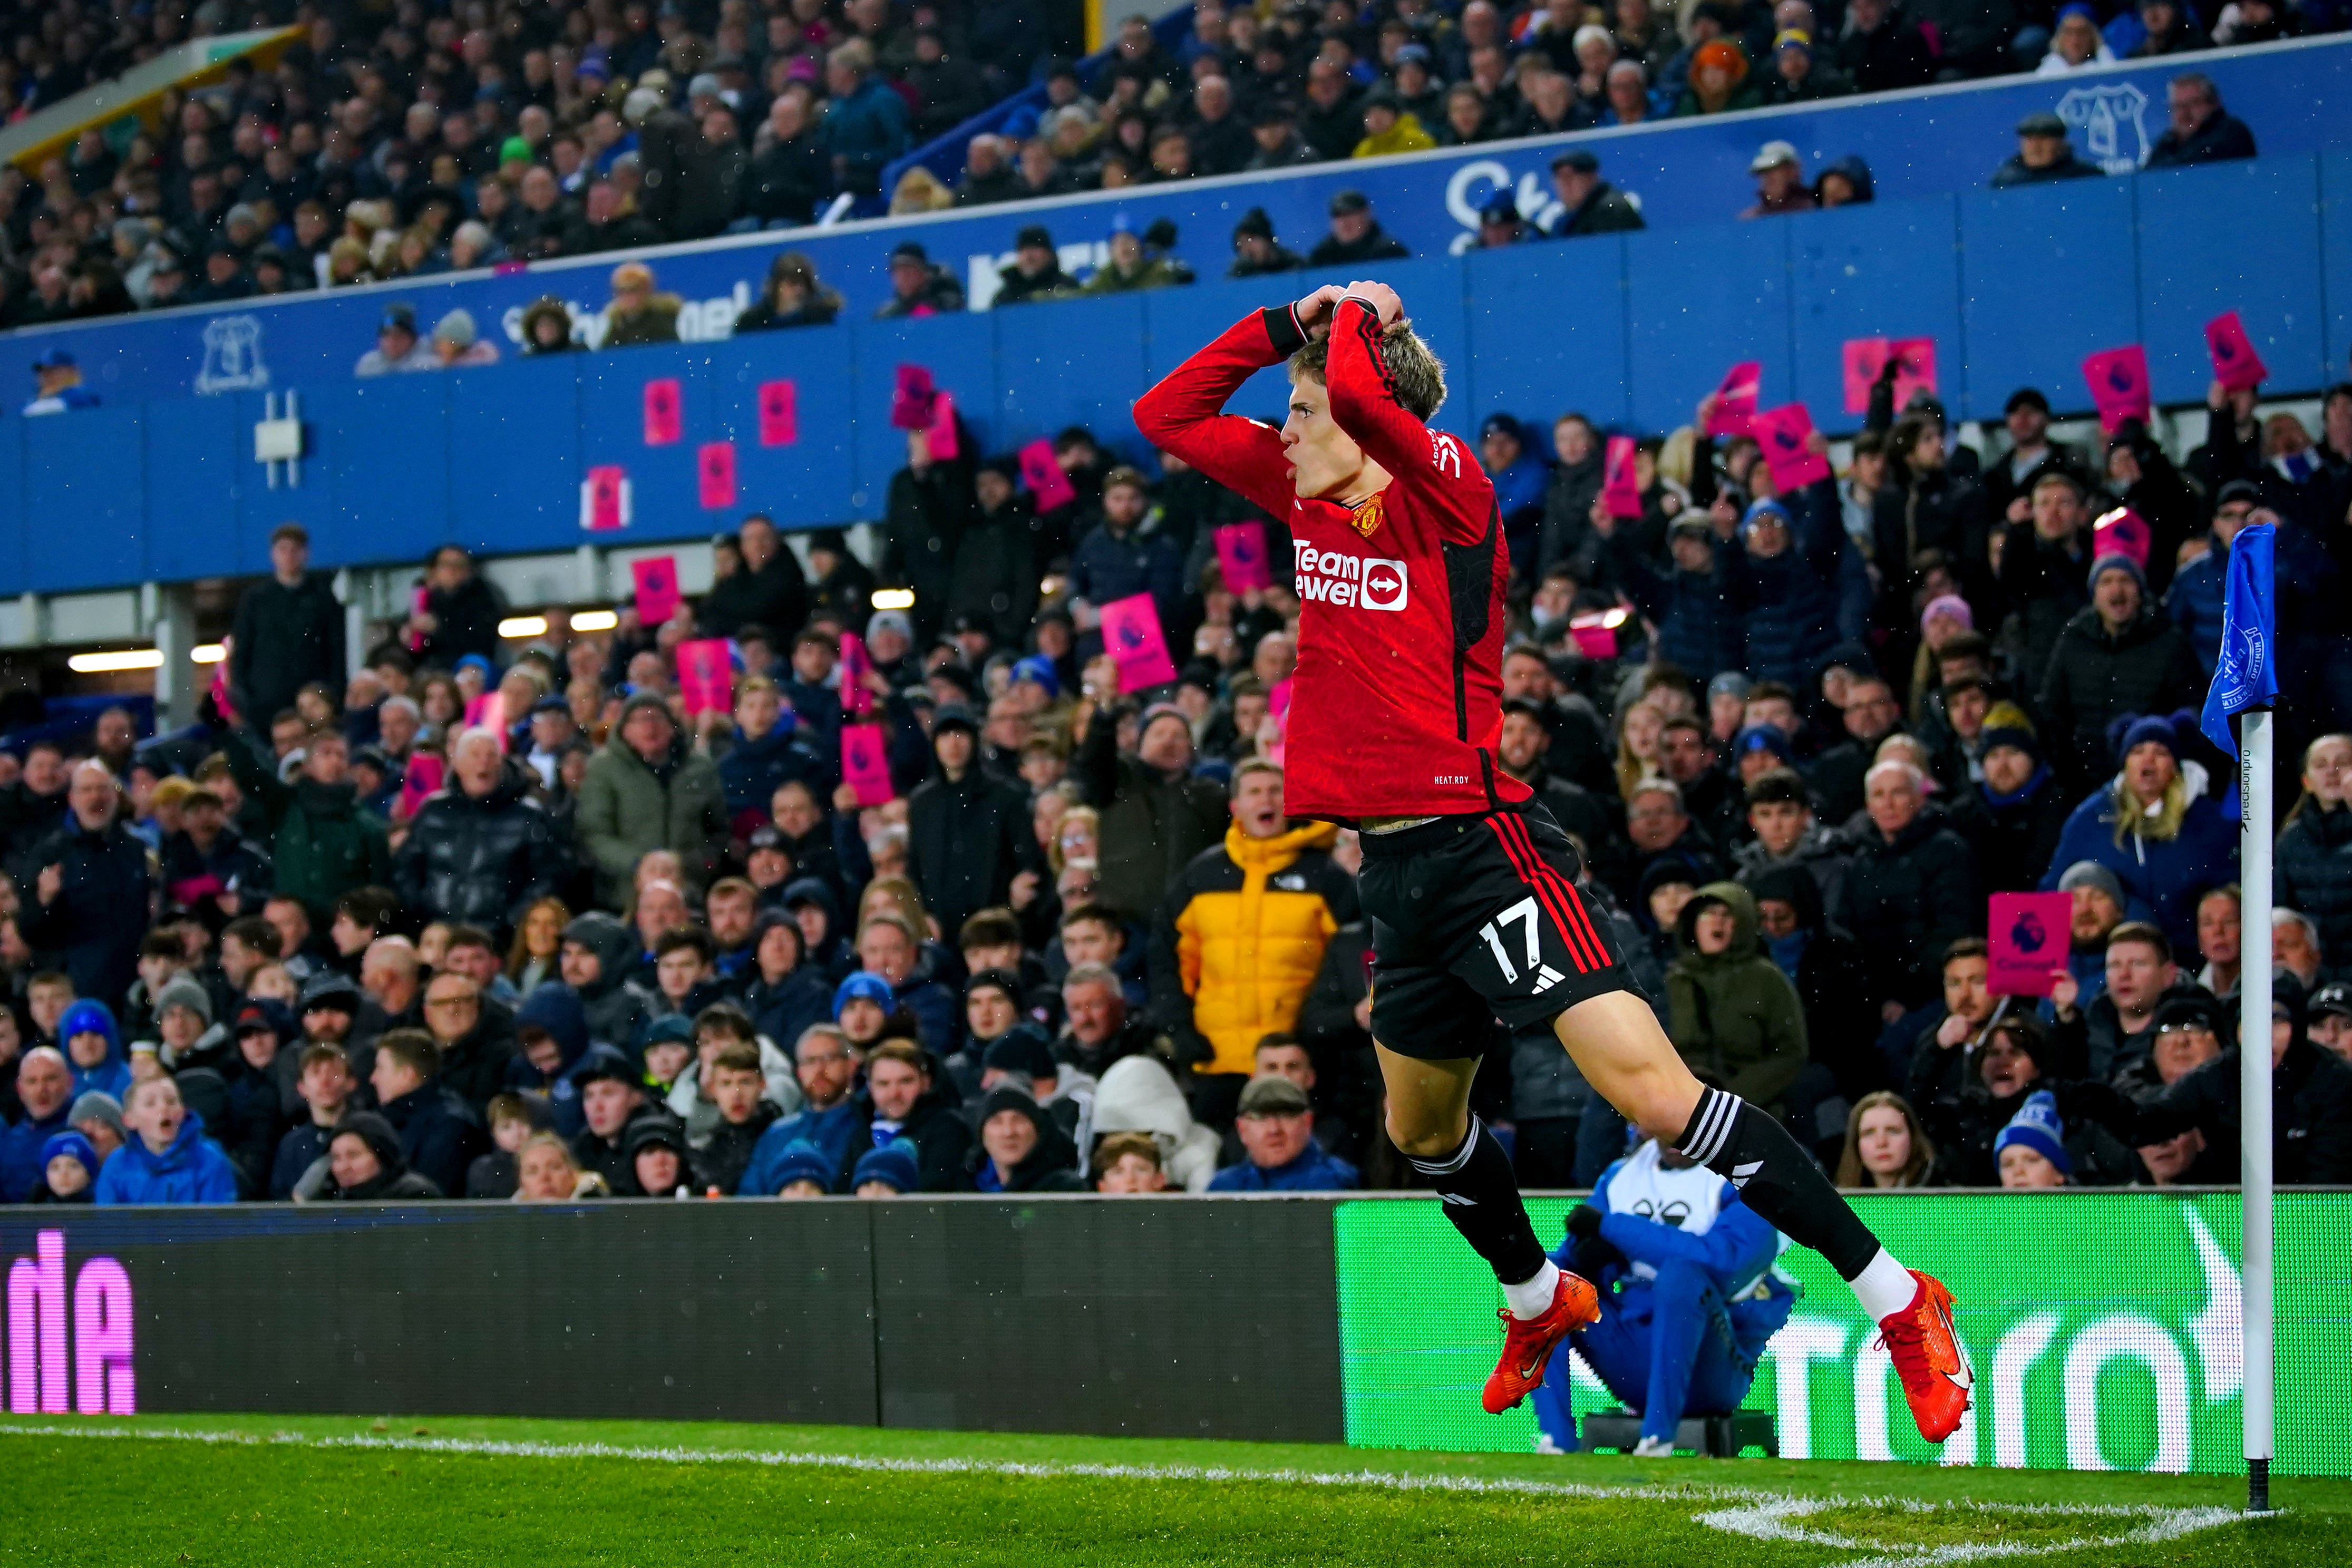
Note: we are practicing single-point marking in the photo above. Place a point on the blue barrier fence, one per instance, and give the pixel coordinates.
(1941, 144)
(2015, 287)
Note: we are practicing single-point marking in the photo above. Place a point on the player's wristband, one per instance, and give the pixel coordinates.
(1282, 329)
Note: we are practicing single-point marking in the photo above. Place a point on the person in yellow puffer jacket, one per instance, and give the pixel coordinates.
(1242, 934)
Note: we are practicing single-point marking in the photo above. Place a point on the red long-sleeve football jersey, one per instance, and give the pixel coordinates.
(1397, 704)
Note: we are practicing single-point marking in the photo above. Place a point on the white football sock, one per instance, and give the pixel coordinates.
(1531, 1297)
(1884, 1286)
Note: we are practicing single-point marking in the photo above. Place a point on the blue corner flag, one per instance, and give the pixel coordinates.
(2247, 672)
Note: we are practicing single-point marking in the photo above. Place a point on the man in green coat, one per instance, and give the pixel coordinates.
(323, 842)
(648, 790)
(1736, 1016)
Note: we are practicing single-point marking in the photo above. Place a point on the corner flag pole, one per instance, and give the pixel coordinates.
(2254, 1095)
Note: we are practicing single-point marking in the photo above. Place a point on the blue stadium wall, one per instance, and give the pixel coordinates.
(159, 484)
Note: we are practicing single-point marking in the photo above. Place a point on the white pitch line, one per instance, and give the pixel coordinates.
(1775, 1521)
(1763, 1515)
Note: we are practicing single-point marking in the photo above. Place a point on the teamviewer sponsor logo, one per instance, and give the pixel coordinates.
(1365, 582)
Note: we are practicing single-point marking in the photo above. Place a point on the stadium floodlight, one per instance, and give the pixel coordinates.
(112, 663)
(520, 626)
(893, 599)
(595, 621)
(207, 654)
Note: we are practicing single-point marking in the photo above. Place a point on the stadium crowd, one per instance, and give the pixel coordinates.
(428, 139)
(496, 919)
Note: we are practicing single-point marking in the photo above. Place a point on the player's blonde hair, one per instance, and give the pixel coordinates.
(1415, 373)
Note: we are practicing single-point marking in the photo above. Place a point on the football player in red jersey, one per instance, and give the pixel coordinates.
(1471, 886)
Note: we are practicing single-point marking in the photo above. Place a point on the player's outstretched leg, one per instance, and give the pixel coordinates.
(1429, 1119)
(1618, 1045)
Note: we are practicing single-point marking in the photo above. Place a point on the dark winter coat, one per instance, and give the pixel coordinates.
(720, 1162)
(440, 1134)
(998, 568)
(2094, 676)
(1152, 826)
(324, 842)
(1734, 1014)
(2165, 875)
(627, 810)
(1908, 900)
(2046, 585)
(928, 512)
(1697, 617)
(2313, 874)
(2014, 837)
(774, 599)
(480, 859)
(284, 638)
(941, 1137)
(751, 771)
(966, 839)
(2311, 1116)
(467, 622)
(100, 914)
(1791, 598)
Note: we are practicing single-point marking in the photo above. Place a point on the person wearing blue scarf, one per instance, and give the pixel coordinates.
(2012, 818)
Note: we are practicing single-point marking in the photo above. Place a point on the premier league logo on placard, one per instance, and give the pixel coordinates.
(233, 355)
(2109, 117)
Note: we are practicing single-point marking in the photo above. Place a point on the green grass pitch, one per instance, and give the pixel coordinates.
(224, 1490)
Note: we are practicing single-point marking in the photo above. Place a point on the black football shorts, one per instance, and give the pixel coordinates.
(1476, 918)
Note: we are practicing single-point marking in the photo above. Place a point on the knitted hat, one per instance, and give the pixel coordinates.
(1038, 669)
(2037, 1128)
(1950, 604)
(805, 1161)
(1764, 738)
(377, 1135)
(186, 993)
(2091, 873)
(1022, 1051)
(72, 1144)
(889, 621)
(894, 1164)
(2006, 725)
(872, 987)
(2108, 563)
(96, 1105)
(2154, 729)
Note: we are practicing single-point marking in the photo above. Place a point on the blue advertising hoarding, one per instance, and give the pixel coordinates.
(1941, 144)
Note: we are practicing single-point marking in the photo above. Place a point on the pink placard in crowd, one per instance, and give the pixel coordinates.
(1277, 709)
(1042, 472)
(865, 763)
(424, 778)
(1596, 632)
(220, 692)
(1240, 557)
(490, 714)
(911, 400)
(714, 468)
(1865, 358)
(779, 414)
(2030, 935)
(855, 663)
(1131, 636)
(1786, 435)
(2235, 363)
(2118, 382)
(664, 420)
(604, 498)
(657, 580)
(420, 603)
(2121, 532)
(946, 445)
(706, 675)
(1619, 488)
(1735, 399)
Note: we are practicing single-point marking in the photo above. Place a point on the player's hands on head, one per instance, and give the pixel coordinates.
(1314, 312)
(1379, 296)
